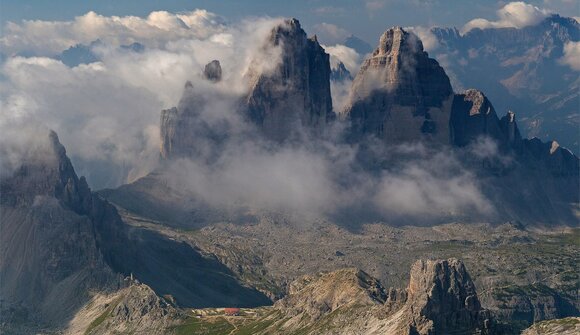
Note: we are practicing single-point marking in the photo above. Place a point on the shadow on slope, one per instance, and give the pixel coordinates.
(174, 268)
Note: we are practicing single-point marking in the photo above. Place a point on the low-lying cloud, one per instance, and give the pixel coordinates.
(107, 115)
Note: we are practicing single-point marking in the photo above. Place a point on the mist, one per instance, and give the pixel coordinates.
(107, 116)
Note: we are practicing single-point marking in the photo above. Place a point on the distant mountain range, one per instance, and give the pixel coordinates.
(520, 69)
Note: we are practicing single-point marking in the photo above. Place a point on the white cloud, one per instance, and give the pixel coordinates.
(572, 55)
(348, 56)
(351, 60)
(107, 113)
(330, 33)
(46, 38)
(515, 15)
(429, 40)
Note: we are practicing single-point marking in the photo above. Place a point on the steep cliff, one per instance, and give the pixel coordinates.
(52, 232)
(294, 97)
(399, 93)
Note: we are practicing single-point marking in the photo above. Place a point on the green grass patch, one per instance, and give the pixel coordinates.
(101, 318)
(259, 325)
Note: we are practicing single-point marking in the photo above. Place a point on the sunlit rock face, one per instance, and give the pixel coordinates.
(294, 97)
(400, 94)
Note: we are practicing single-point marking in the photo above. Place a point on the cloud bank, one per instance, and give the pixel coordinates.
(107, 112)
(48, 38)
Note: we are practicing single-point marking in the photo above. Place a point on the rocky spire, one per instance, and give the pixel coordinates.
(399, 93)
(473, 116)
(47, 172)
(295, 95)
(443, 298)
(213, 71)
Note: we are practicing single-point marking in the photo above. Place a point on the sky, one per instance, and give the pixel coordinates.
(363, 18)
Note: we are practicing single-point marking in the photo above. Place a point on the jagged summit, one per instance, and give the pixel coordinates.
(47, 171)
(442, 299)
(473, 116)
(295, 96)
(400, 66)
(399, 93)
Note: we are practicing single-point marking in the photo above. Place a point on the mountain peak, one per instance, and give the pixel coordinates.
(392, 40)
(299, 84)
(46, 171)
(399, 93)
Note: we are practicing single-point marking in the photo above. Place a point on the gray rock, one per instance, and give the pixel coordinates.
(520, 69)
(442, 299)
(473, 116)
(340, 73)
(294, 97)
(213, 71)
(400, 94)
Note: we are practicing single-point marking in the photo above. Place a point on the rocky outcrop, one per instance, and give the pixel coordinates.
(520, 69)
(556, 160)
(442, 299)
(313, 297)
(213, 71)
(49, 173)
(293, 97)
(473, 116)
(135, 309)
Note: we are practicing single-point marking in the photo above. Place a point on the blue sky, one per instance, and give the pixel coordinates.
(365, 18)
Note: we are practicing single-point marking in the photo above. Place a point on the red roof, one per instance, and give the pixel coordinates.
(231, 310)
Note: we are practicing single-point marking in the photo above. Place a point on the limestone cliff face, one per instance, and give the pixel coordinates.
(473, 116)
(47, 173)
(399, 93)
(442, 299)
(294, 97)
